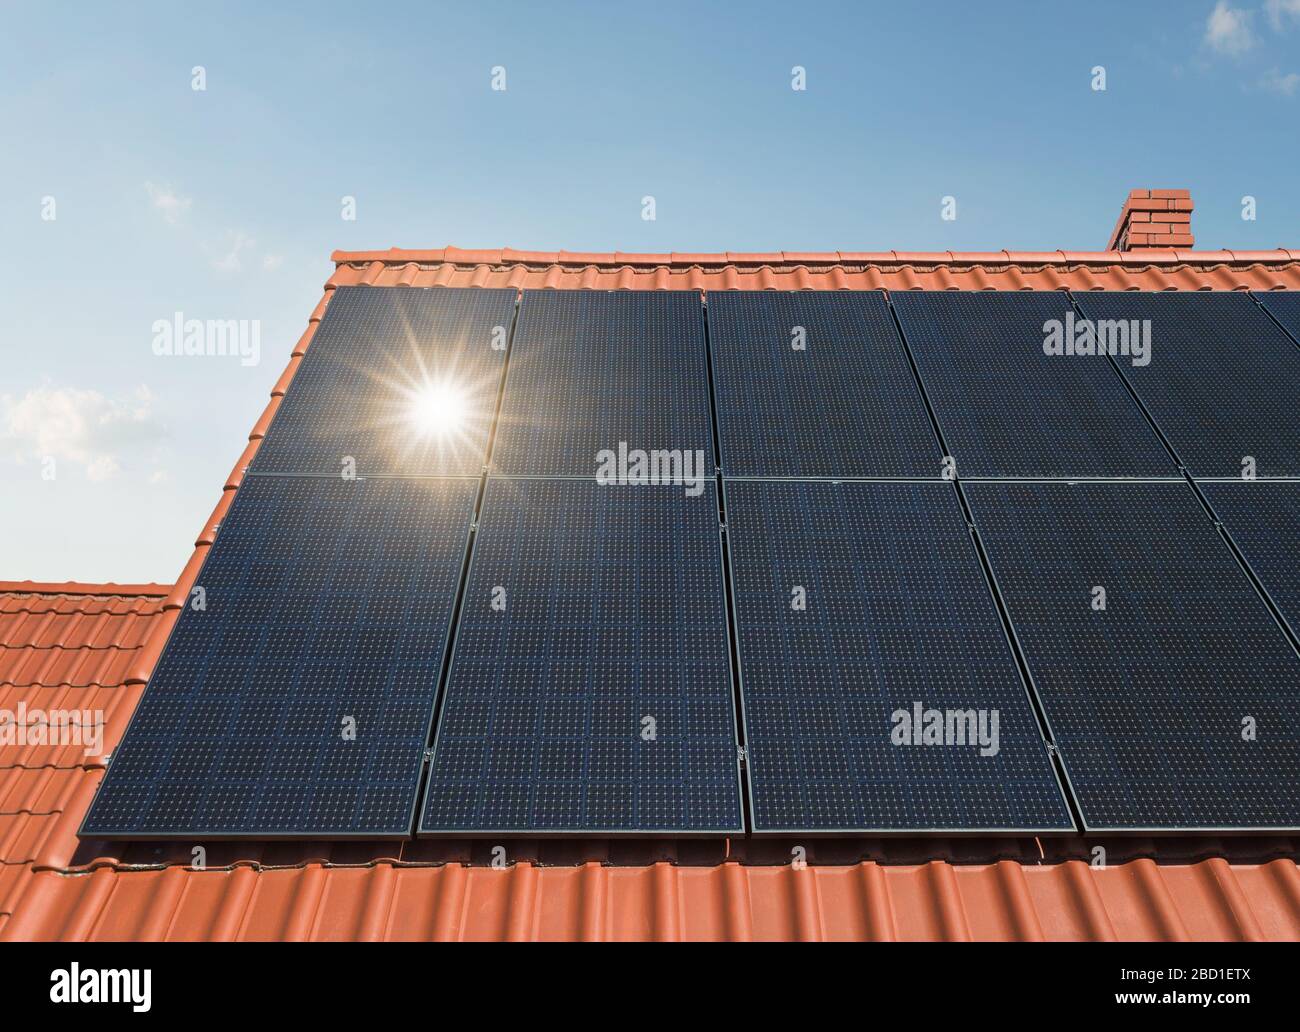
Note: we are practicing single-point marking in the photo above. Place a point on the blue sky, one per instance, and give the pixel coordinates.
(225, 203)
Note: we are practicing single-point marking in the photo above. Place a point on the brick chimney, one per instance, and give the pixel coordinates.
(1153, 218)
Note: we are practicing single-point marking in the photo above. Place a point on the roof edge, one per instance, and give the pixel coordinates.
(27, 587)
(508, 256)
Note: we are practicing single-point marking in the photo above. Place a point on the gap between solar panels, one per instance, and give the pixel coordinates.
(728, 579)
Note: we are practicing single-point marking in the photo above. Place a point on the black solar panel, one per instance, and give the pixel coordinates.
(591, 370)
(816, 384)
(396, 380)
(298, 702)
(595, 696)
(1006, 407)
(1222, 378)
(1177, 705)
(1263, 519)
(897, 617)
(1284, 306)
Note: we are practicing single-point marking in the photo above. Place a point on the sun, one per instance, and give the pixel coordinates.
(438, 410)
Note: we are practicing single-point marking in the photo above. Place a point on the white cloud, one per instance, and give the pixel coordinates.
(172, 205)
(1280, 11)
(226, 252)
(1228, 29)
(1275, 82)
(229, 260)
(79, 427)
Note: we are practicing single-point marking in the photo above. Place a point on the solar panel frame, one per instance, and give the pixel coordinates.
(981, 599)
(645, 401)
(455, 695)
(1182, 376)
(1232, 588)
(1076, 421)
(376, 352)
(1258, 516)
(1284, 307)
(852, 360)
(259, 576)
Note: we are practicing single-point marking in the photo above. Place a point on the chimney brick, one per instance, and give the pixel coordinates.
(1154, 218)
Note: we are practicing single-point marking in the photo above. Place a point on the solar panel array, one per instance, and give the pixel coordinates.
(1171, 692)
(518, 496)
(815, 384)
(1220, 381)
(862, 613)
(1008, 408)
(295, 694)
(590, 688)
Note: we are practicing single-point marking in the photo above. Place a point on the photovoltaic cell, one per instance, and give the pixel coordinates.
(816, 384)
(590, 685)
(1263, 519)
(896, 615)
(590, 369)
(401, 380)
(1175, 702)
(326, 604)
(1007, 408)
(1221, 380)
(1284, 306)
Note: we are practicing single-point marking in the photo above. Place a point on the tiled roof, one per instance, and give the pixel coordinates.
(936, 901)
(63, 647)
(76, 646)
(1148, 269)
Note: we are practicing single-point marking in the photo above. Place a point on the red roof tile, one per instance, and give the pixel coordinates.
(889, 270)
(936, 901)
(81, 646)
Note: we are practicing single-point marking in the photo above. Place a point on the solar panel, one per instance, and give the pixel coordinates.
(298, 700)
(1170, 691)
(1263, 519)
(816, 384)
(1006, 407)
(864, 617)
(397, 380)
(591, 370)
(1284, 306)
(1221, 378)
(590, 686)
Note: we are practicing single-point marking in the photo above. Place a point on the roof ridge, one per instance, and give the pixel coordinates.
(108, 588)
(509, 256)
